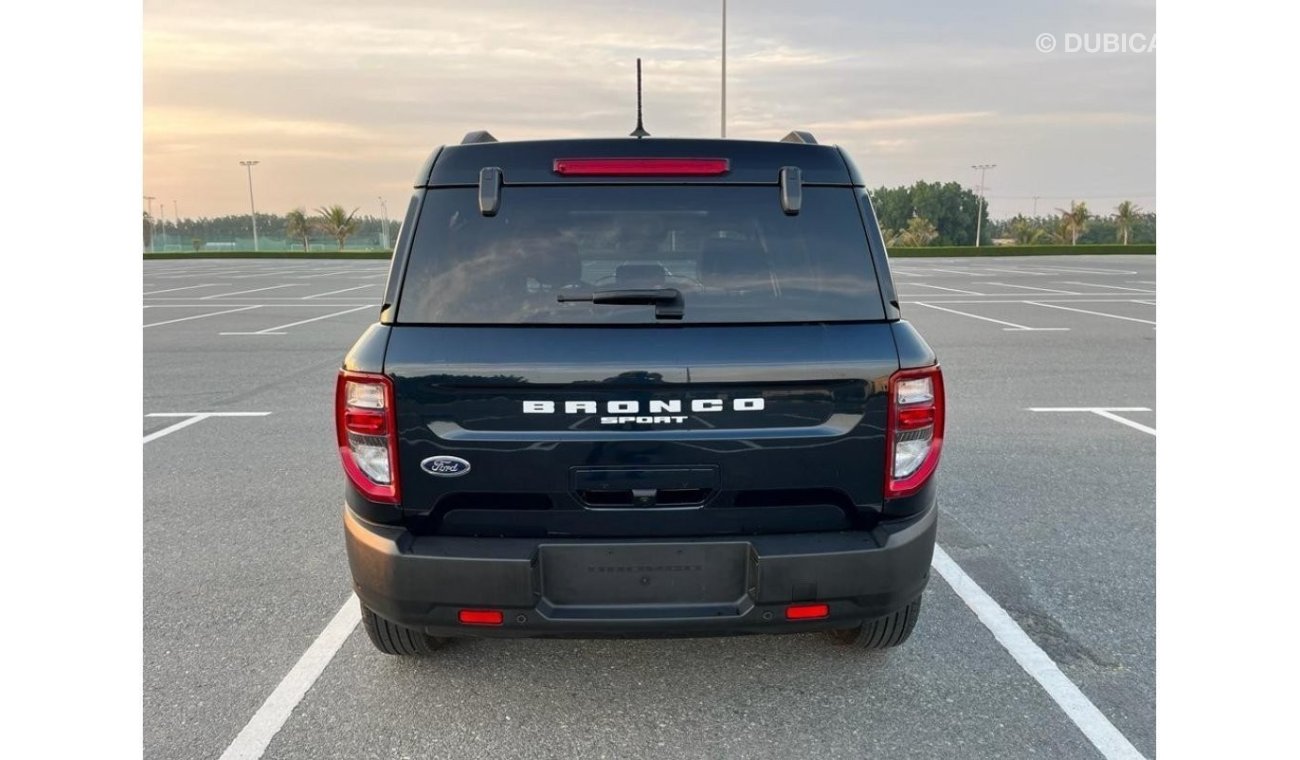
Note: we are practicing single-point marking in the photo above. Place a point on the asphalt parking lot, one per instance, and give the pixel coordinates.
(1048, 514)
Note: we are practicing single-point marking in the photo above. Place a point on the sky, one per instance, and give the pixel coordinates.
(341, 102)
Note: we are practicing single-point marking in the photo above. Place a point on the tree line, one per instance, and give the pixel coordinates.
(1126, 223)
(297, 228)
(923, 214)
(933, 213)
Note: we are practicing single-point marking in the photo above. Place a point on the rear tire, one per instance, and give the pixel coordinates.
(394, 639)
(881, 633)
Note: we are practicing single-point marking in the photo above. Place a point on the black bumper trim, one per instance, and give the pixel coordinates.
(423, 581)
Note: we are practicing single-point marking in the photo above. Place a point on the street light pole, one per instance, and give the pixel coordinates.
(979, 207)
(249, 166)
(724, 68)
(383, 212)
(162, 213)
(153, 228)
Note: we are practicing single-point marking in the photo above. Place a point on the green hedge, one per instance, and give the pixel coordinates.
(1022, 250)
(273, 255)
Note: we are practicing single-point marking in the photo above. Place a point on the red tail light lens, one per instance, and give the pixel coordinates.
(807, 611)
(914, 434)
(481, 617)
(640, 167)
(367, 434)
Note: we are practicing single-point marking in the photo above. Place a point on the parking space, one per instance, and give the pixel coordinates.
(1048, 509)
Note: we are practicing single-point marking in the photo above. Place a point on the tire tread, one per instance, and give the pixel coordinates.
(881, 633)
(398, 640)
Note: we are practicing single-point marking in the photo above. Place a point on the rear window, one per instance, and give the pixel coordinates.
(731, 252)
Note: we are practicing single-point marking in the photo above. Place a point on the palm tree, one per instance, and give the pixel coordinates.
(1061, 233)
(920, 231)
(337, 222)
(1075, 220)
(298, 226)
(1025, 232)
(1126, 215)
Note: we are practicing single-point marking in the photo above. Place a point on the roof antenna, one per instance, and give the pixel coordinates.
(639, 132)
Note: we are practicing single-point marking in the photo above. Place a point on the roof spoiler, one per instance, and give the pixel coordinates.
(800, 136)
(478, 136)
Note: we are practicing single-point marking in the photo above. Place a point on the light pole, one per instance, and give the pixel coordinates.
(162, 215)
(383, 212)
(979, 207)
(724, 68)
(153, 228)
(253, 206)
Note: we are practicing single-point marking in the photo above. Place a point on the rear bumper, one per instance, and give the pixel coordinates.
(602, 587)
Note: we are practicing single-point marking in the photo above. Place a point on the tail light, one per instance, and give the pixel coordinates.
(367, 434)
(914, 434)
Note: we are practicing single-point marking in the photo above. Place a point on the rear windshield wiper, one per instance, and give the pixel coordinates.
(668, 302)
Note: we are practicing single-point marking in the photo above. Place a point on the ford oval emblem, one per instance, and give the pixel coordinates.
(445, 467)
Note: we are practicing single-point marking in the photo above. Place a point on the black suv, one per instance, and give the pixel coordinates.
(639, 387)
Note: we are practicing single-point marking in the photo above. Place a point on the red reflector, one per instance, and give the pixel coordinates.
(807, 611)
(915, 418)
(365, 421)
(481, 617)
(640, 167)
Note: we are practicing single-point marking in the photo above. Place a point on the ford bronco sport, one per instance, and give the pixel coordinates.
(639, 387)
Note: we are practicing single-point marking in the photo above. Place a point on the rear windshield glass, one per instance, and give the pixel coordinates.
(730, 251)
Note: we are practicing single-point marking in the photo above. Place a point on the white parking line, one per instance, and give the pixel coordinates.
(328, 274)
(190, 419)
(957, 271)
(187, 287)
(253, 740)
(344, 290)
(1092, 722)
(1124, 421)
(256, 736)
(1103, 411)
(202, 316)
(242, 292)
(1015, 271)
(940, 287)
(267, 273)
(996, 298)
(1111, 287)
(1044, 290)
(326, 303)
(1094, 313)
(275, 330)
(1012, 326)
(1087, 271)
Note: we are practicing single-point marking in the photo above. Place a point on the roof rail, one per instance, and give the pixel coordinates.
(800, 136)
(477, 136)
